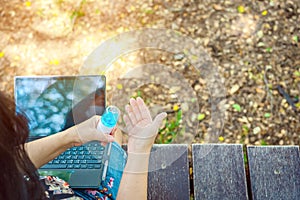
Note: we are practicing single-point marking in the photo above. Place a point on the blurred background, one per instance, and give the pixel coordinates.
(254, 45)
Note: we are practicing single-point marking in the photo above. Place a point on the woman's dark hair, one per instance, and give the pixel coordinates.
(19, 178)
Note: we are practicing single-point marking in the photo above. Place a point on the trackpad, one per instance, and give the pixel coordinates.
(85, 179)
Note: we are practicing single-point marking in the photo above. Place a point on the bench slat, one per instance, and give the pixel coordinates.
(169, 172)
(274, 172)
(218, 172)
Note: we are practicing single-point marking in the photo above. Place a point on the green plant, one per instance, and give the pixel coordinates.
(138, 93)
(245, 155)
(79, 11)
(263, 142)
(170, 129)
(245, 132)
(269, 49)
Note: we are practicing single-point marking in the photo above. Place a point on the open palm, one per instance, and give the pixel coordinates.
(141, 129)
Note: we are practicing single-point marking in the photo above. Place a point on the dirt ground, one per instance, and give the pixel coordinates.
(253, 47)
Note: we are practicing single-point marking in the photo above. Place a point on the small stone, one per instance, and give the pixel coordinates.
(260, 33)
(281, 142)
(197, 87)
(261, 44)
(276, 172)
(234, 89)
(283, 132)
(179, 56)
(217, 7)
(184, 107)
(256, 130)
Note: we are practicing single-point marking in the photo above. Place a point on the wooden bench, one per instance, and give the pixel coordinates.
(224, 171)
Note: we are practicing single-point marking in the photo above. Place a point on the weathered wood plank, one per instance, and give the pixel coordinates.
(218, 172)
(169, 173)
(274, 172)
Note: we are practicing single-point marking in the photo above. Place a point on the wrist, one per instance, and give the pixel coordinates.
(71, 137)
(137, 163)
(139, 147)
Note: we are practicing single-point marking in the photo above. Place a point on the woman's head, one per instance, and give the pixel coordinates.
(14, 162)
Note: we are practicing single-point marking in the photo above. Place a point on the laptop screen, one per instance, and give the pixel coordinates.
(54, 103)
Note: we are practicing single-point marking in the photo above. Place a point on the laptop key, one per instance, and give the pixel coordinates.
(93, 161)
(97, 166)
(83, 161)
(56, 161)
(90, 166)
(55, 166)
(77, 166)
(76, 161)
(98, 157)
(70, 166)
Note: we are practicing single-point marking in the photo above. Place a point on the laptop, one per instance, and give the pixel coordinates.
(54, 103)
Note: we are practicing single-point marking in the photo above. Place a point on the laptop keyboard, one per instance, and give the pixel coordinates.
(88, 156)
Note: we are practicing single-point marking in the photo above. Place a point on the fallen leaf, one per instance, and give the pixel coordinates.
(264, 13)
(295, 38)
(258, 90)
(27, 3)
(120, 86)
(241, 9)
(237, 107)
(217, 7)
(221, 139)
(54, 62)
(201, 116)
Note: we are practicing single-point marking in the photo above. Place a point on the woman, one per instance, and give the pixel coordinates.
(19, 160)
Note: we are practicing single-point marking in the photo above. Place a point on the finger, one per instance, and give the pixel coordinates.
(136, 110)
(131, 114)
(113, 131)
(159, 118)
(106, 138)
(104, 143)
(96, 119)
(128, 123)
(143, 109)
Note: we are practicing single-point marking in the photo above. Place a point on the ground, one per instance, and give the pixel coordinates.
(253, 46)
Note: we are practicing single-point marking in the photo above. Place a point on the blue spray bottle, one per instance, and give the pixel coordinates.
(109, 119)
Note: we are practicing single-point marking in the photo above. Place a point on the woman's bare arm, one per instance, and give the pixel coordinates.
(141, 135)
(46, 149)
